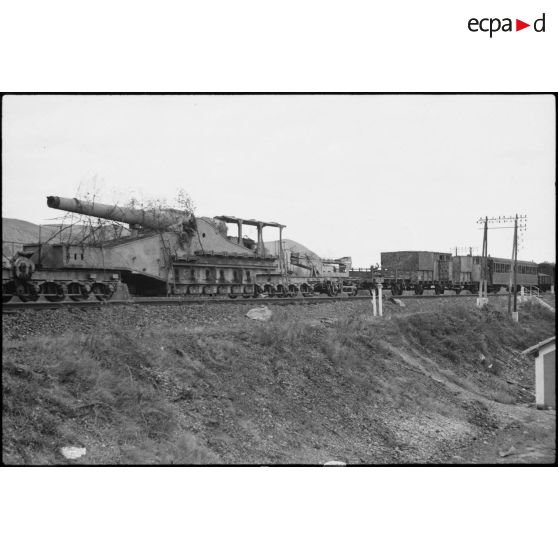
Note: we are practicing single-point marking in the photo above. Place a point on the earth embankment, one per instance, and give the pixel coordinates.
(436, 381)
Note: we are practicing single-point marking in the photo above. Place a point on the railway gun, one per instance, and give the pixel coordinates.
(167, 252)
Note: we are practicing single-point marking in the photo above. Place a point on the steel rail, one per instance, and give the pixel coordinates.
(11, 307)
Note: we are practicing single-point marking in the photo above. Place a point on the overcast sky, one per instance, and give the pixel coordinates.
(348, 175)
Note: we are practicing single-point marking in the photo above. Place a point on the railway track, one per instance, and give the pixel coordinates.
(12, 307)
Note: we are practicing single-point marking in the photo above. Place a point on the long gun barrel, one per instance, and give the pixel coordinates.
(150, 218)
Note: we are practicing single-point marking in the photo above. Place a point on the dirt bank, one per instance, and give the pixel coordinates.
(430, 382)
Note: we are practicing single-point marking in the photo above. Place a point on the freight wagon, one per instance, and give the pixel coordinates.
(440, 271)
(416, 271)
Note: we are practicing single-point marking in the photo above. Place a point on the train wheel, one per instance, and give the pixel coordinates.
(53, 292)
(269, 290)
(28, 298)
(305, 290)
(77, 292)
(231, 295)
(27, 292)
(6, 294)
(101, 291)
(55, 298)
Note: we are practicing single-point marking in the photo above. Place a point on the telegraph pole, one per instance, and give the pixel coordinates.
(519, 224)
(515, 315)
(483, 290)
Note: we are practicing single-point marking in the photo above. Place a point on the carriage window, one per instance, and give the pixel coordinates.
(192, 274)
(75, 255)
(82, 255)
(247, 275)
(221, 275)
(207, 275)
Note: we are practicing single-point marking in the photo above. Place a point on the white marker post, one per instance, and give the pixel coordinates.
(380, 309)
(483, 293)
(522, 293)
(374, 302)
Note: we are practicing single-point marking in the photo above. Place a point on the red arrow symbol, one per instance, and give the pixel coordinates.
(519, 25)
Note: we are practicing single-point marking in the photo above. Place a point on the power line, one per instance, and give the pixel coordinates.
(519, 226)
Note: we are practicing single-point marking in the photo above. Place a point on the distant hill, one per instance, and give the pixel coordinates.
(290, 246)
(16, 233)
(16, 230)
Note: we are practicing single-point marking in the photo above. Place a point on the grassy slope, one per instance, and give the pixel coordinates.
(412, 388)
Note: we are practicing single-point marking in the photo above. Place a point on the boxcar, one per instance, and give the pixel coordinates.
(417, 270)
